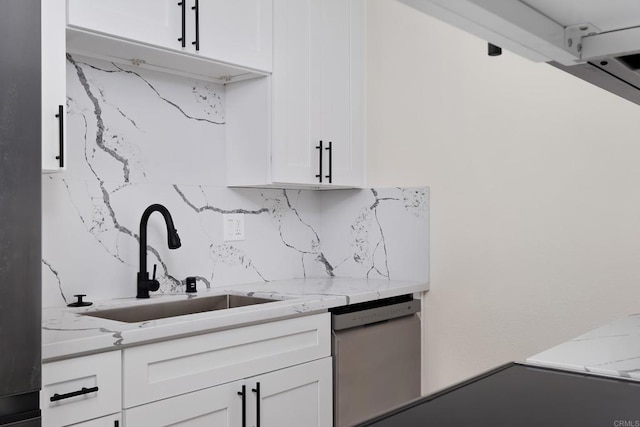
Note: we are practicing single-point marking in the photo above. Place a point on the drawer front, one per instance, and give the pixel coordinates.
(72, 384)
(157, 371)
(108, 421)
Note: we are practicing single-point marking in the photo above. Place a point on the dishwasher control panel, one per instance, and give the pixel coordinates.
(373, 312)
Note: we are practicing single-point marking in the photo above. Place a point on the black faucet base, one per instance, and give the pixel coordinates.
(145, 285)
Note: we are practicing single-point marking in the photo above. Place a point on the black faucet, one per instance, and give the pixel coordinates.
(144, 283)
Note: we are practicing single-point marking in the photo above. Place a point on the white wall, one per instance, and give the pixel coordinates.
(534, 175)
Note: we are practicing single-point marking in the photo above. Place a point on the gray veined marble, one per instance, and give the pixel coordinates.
(137, 137)
(611, 350)
(68, 333)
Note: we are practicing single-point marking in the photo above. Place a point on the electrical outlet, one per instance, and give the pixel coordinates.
(233, 227)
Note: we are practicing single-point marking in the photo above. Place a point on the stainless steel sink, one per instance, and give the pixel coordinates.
(162, 310)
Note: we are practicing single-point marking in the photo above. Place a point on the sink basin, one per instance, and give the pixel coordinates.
(162, 310)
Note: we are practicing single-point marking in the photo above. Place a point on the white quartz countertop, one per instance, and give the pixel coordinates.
(610, 350)
(66, 332)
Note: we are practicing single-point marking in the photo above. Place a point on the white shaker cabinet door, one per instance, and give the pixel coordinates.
(295, 92)
(54, 87)
(297, 396)
(342, 98)
(318, 92)
(219, 406)
(237, 32)
(157, 22)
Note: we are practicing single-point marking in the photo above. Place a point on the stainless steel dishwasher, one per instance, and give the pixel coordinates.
(376, 357)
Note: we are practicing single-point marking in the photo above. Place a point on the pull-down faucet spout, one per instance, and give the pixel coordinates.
(144, 283)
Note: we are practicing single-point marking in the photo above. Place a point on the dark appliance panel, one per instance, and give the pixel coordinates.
(20, 205)
(524, 396)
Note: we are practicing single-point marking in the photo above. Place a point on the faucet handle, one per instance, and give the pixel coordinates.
(154, 285)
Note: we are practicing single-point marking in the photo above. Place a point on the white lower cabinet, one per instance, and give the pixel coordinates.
(218, 406)
(278, 372)
(165, 369)
(81, 389)
(274, 374)
(108, 421)
(292, 397)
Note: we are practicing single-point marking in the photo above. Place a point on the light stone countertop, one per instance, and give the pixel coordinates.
(610, 350)
(67, 333)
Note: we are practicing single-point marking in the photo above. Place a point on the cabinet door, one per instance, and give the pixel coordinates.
(108, 421)
(160, 370)
(318, 91)
(219, 406)
(237, 32)
(54, 87)
(293, 397)
(157, 22)
(295, 92)
(342, 109)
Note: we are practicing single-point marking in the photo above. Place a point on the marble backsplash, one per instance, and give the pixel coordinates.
(137, 137)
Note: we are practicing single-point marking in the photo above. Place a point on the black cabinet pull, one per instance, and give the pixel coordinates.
(330, 176)
(243, 393)
(183, 39)
(197, 9)
(257, 392)
(319, 175)
(80, 392)
(116, 423)
(60, 117)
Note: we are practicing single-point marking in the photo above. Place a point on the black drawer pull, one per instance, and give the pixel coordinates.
(60, 117)
(257, 392)
(183, 5)
(196, 8)
(319, 175)
(330, 176)
(243, 394)
(80, 392)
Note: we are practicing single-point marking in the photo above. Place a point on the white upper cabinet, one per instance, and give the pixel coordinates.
(342, 90)
(236, 32)
(157, 22)
(54, 87)
(566, 31)
(313, 105)
(318, 92)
